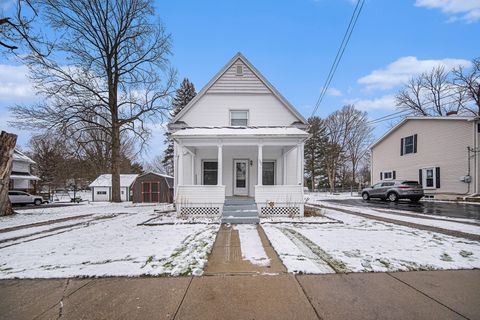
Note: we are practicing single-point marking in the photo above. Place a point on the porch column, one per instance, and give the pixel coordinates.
(299, 164)
(260, 165)
(193, 168)
(284, 167)
(219, 165)
(180, 165)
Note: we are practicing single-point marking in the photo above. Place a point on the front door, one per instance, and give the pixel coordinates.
(240, 177)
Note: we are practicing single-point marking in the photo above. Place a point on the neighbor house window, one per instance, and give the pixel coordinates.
(210, 172)
(430, 178)
(238, 118)
(268, 174)
(408, 145)
(239, 70)
(387, 175)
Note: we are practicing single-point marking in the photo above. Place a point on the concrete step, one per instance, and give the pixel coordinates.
(249, 213)
(241, 220)
(239, 207)
(239, 201)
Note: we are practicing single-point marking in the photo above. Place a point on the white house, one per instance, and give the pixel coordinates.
(239, 139)
(20, 176)
(442, 153)
(102, 187)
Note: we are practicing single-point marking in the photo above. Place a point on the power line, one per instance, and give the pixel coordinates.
(340, 51)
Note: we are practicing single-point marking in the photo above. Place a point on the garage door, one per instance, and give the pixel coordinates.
(101, 194)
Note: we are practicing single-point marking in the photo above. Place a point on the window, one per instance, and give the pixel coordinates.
(101, 192)
(268, 174)
(408, 145)
(388, 184)
(239, 70)
(430, 177)
(238, 118)
(387, 175)
(210, 173)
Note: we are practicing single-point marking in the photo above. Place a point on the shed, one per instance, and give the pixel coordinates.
(153, 187)
(102, 187)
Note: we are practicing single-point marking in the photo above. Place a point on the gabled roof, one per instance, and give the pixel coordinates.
(105, 180)
(257, 73)
(168, 179)
(19, 156)
(401, 123)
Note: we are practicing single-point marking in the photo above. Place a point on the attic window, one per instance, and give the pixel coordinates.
(239, 70)
(239, 118)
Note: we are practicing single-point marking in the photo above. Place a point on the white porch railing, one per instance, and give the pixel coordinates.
(279, 200)
(200, 200)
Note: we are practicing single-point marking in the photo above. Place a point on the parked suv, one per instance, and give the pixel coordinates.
(20, 197)
(393, 190)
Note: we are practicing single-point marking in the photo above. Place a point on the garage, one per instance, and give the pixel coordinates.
(102, 187)
(153, 187)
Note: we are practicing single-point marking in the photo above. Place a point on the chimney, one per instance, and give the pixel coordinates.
(451, 113)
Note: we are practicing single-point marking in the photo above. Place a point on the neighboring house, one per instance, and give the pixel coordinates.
(102, 187)
(21, 177)
(239, 137)
(433, 151)
(153, 187)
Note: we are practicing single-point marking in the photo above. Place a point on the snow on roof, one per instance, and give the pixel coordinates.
(401, 123)
(19, 156)
(23, 177)
(240, 131)
(156, 173)
(105, 180)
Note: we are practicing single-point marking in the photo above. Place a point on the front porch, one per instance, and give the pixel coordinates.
(267, 170)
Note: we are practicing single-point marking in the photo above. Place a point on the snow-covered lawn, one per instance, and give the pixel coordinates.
(363, 245)
(108, 243)
(316, 196)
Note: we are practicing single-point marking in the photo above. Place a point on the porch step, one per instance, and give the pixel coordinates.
(241, 220)
(239, 201)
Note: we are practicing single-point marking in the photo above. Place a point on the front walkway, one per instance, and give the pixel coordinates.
(403, 295)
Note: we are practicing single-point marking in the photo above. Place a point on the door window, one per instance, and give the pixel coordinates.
(241, 174)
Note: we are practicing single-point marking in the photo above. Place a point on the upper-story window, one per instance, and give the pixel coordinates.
(239, 118)
(239, 70)
(408, 145)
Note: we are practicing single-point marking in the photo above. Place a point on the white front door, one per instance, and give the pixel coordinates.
(240, 177)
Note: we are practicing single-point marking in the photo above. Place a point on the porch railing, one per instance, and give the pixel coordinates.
(200, 200)
(279, 200)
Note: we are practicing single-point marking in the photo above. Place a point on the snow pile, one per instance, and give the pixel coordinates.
(251, 245)
(365, 245)
(313, 197)
(110, 242)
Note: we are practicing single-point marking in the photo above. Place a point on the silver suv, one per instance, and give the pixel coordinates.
(394, 190)
(20, 197)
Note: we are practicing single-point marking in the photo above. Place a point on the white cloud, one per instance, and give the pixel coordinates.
(467, 10)
(334, 92)
(14, 84)
(386, 102)
(401, 70)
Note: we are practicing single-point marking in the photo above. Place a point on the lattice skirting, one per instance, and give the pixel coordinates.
(200, 211)
(280, 211)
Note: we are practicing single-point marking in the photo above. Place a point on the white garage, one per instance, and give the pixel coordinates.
(102, 187)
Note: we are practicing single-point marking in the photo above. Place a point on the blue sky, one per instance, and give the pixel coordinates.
(293, 43)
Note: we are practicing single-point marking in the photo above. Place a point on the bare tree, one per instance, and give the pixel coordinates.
(108, 70)
(156, 165)
(7, 145)
(432, 93)
(470, 83)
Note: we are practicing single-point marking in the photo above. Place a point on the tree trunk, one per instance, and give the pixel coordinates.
(115, 170)
(7, 145)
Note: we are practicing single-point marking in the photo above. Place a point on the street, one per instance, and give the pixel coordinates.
(447, 209)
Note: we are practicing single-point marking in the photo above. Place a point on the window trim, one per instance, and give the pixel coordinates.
(203, 170)
(274, 171)
(424, 178)
(238, 110)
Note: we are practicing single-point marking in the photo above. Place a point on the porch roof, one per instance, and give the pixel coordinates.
(240, 132)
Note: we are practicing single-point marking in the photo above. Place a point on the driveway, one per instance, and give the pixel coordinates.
(456, 210)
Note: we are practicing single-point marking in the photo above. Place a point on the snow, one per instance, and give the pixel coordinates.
(240, 131)
(312, 197)
(364, 245)
(111, 242)
(432, 221)
(251, 245)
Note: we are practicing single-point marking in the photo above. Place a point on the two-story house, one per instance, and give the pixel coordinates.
(238, 142)
(21, 177)
(442, 153)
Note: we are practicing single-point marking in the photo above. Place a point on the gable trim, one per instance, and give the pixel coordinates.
(257, 73)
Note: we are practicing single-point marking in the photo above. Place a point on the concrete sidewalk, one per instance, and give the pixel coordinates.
(406, 295)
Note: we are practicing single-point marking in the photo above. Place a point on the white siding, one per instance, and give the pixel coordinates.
(230, 82)
(441, 143)
(20, 166)
(214, 110)
(101, 197)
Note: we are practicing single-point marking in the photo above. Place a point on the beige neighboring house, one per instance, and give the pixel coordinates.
(442, 153)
